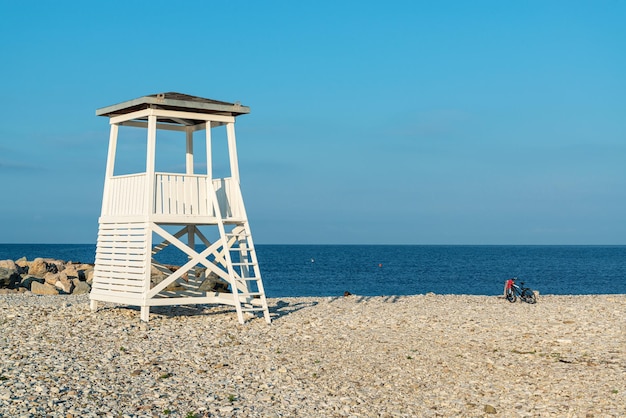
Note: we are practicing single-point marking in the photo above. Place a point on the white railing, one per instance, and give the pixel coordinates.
(229, 198)
(174, 195)
(181, 194)
(126, 195)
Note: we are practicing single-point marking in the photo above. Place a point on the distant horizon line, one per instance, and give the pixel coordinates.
(390, 245)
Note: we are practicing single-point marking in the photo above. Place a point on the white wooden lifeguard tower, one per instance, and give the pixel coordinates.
(203, 217)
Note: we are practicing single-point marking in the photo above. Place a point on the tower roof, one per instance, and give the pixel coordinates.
(175, 101)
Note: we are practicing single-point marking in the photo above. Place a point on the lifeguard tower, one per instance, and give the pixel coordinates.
(201, 216)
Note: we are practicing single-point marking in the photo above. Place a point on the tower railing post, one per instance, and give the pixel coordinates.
(189, 153)
(150, 164)
(232, 151)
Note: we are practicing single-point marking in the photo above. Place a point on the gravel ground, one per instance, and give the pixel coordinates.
(424, 355)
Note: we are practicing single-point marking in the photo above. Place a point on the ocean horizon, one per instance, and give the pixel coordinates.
(383, 270)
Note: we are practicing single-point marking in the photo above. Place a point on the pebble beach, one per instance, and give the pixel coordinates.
(405, 356)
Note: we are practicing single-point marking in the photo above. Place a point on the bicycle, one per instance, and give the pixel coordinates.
(513, 291)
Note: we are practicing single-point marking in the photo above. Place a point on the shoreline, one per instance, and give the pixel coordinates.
(371, 356)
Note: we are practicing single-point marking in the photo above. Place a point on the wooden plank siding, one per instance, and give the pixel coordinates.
(122, 264)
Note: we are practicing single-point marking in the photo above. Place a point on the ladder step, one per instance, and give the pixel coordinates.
(255, 309)
(249, 294)
(244, 264)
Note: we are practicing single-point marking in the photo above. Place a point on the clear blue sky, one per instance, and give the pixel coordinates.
(440, 122)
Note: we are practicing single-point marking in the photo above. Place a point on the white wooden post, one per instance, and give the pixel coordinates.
(191, 229)
(189, 156)
(150, 206)
(106, 195)
(232, 152)
(150, 157)
(110, 168)
(209, 157)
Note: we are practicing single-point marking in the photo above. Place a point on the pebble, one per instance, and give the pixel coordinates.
(402, 356)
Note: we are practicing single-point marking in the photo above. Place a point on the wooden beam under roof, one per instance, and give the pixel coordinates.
(176, 102)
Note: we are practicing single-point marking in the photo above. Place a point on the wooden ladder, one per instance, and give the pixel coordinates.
(244, 272)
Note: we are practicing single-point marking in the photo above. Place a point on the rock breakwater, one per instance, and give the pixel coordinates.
(48, 276)
(45, 276)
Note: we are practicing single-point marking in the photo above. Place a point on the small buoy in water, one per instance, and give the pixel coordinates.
(380, 264)
(312, 260)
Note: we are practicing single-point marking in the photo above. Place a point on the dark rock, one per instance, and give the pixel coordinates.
(27, 281)
(4, 276)
(9, 278)
(22, 265)
(214, 283)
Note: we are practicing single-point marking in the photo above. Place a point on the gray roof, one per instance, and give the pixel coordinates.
(175, 101)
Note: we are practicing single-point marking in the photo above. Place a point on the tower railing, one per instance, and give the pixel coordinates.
(175, 195)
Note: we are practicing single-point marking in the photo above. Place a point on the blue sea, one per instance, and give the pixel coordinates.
(379, 270)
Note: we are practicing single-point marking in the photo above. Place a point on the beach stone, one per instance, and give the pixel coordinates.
(43, 289)
(175, 287)
(156, 276)
(28, 280)
(22, 265)
(38, 267)
(52, 267)
(89, 275)
(82, 271)
(9, 278)
(71, 271)
(52, 278)
(80, 287)
(490, 409)
(214, 283)
(8, 264)
(64, 285)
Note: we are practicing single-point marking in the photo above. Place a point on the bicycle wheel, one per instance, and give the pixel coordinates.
(510, 295)
(528, 296)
